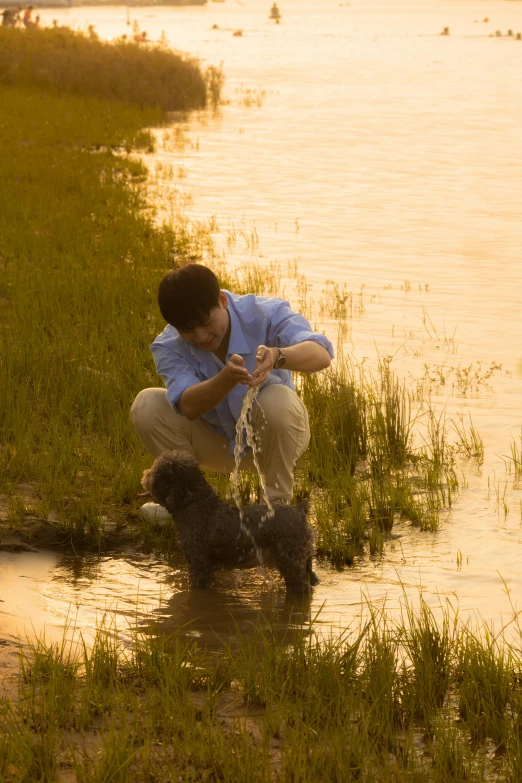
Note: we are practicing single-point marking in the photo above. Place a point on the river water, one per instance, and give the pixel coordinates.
(386, 157)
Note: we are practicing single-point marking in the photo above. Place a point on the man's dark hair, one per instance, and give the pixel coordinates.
(187, 295)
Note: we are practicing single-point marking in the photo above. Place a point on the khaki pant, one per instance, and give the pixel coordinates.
(280, 422)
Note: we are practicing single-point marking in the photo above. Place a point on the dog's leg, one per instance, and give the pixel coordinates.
(201, 570)
(200, 565)
(293, 569)
(312, 576)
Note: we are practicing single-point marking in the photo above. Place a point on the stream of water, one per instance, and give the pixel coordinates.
(381, 155)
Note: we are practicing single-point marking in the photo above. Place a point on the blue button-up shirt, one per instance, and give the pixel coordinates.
(254, 321)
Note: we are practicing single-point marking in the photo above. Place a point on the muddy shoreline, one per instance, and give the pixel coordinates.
(31, 533)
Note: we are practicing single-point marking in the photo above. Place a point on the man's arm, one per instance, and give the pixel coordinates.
(205, 395)
(307, 356)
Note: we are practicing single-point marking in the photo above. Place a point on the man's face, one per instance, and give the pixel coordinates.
(209, 335)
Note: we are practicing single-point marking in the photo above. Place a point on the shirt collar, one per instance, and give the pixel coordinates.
(237, 342)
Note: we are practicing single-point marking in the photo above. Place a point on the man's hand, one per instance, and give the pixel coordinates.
(236, 370)
(206, 395)
(264, 366)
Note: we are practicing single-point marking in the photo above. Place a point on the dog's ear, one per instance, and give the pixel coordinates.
(146, 480)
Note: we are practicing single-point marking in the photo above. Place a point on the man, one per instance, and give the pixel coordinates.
(216, 346)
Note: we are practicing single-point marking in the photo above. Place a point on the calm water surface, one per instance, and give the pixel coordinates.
(382, 155)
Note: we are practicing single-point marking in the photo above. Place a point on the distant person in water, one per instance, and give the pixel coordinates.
(216, 346)
(275, 13)
(28, 22)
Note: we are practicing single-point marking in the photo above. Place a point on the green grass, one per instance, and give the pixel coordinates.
(62, 60)
(412, 699)
(78, 261)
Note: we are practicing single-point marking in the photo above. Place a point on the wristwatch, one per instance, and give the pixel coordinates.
(280, 361)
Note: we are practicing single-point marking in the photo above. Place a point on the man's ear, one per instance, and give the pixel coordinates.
(223, 300)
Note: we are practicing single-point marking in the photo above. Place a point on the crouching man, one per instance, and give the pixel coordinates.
(217, 345)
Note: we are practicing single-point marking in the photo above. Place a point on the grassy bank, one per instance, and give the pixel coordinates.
(62, 60)
(423, 700)
(78, 256)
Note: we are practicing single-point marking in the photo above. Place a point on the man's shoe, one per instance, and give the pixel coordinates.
(155, 514)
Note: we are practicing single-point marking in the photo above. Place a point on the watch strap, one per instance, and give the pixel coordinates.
(280, 361)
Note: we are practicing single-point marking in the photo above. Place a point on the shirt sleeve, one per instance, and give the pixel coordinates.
(177, 372)
(288, 328)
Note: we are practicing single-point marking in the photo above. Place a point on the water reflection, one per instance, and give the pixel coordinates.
(78, 570)
(45, 595)
(219, 617)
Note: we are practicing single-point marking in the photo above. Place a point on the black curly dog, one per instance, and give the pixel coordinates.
(210, 531)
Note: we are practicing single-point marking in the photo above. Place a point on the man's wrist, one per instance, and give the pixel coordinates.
(280, 360)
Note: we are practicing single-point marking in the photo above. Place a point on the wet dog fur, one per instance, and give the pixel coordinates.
(210, 532)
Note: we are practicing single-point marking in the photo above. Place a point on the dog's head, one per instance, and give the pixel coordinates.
(175, 480)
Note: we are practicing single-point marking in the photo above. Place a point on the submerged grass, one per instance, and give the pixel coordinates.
(416, 698)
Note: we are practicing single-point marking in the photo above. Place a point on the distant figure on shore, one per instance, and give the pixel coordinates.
(140, 37)
(238, 34)
(10, 16)
(28, 22)
(445, 31)
(275, 13)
